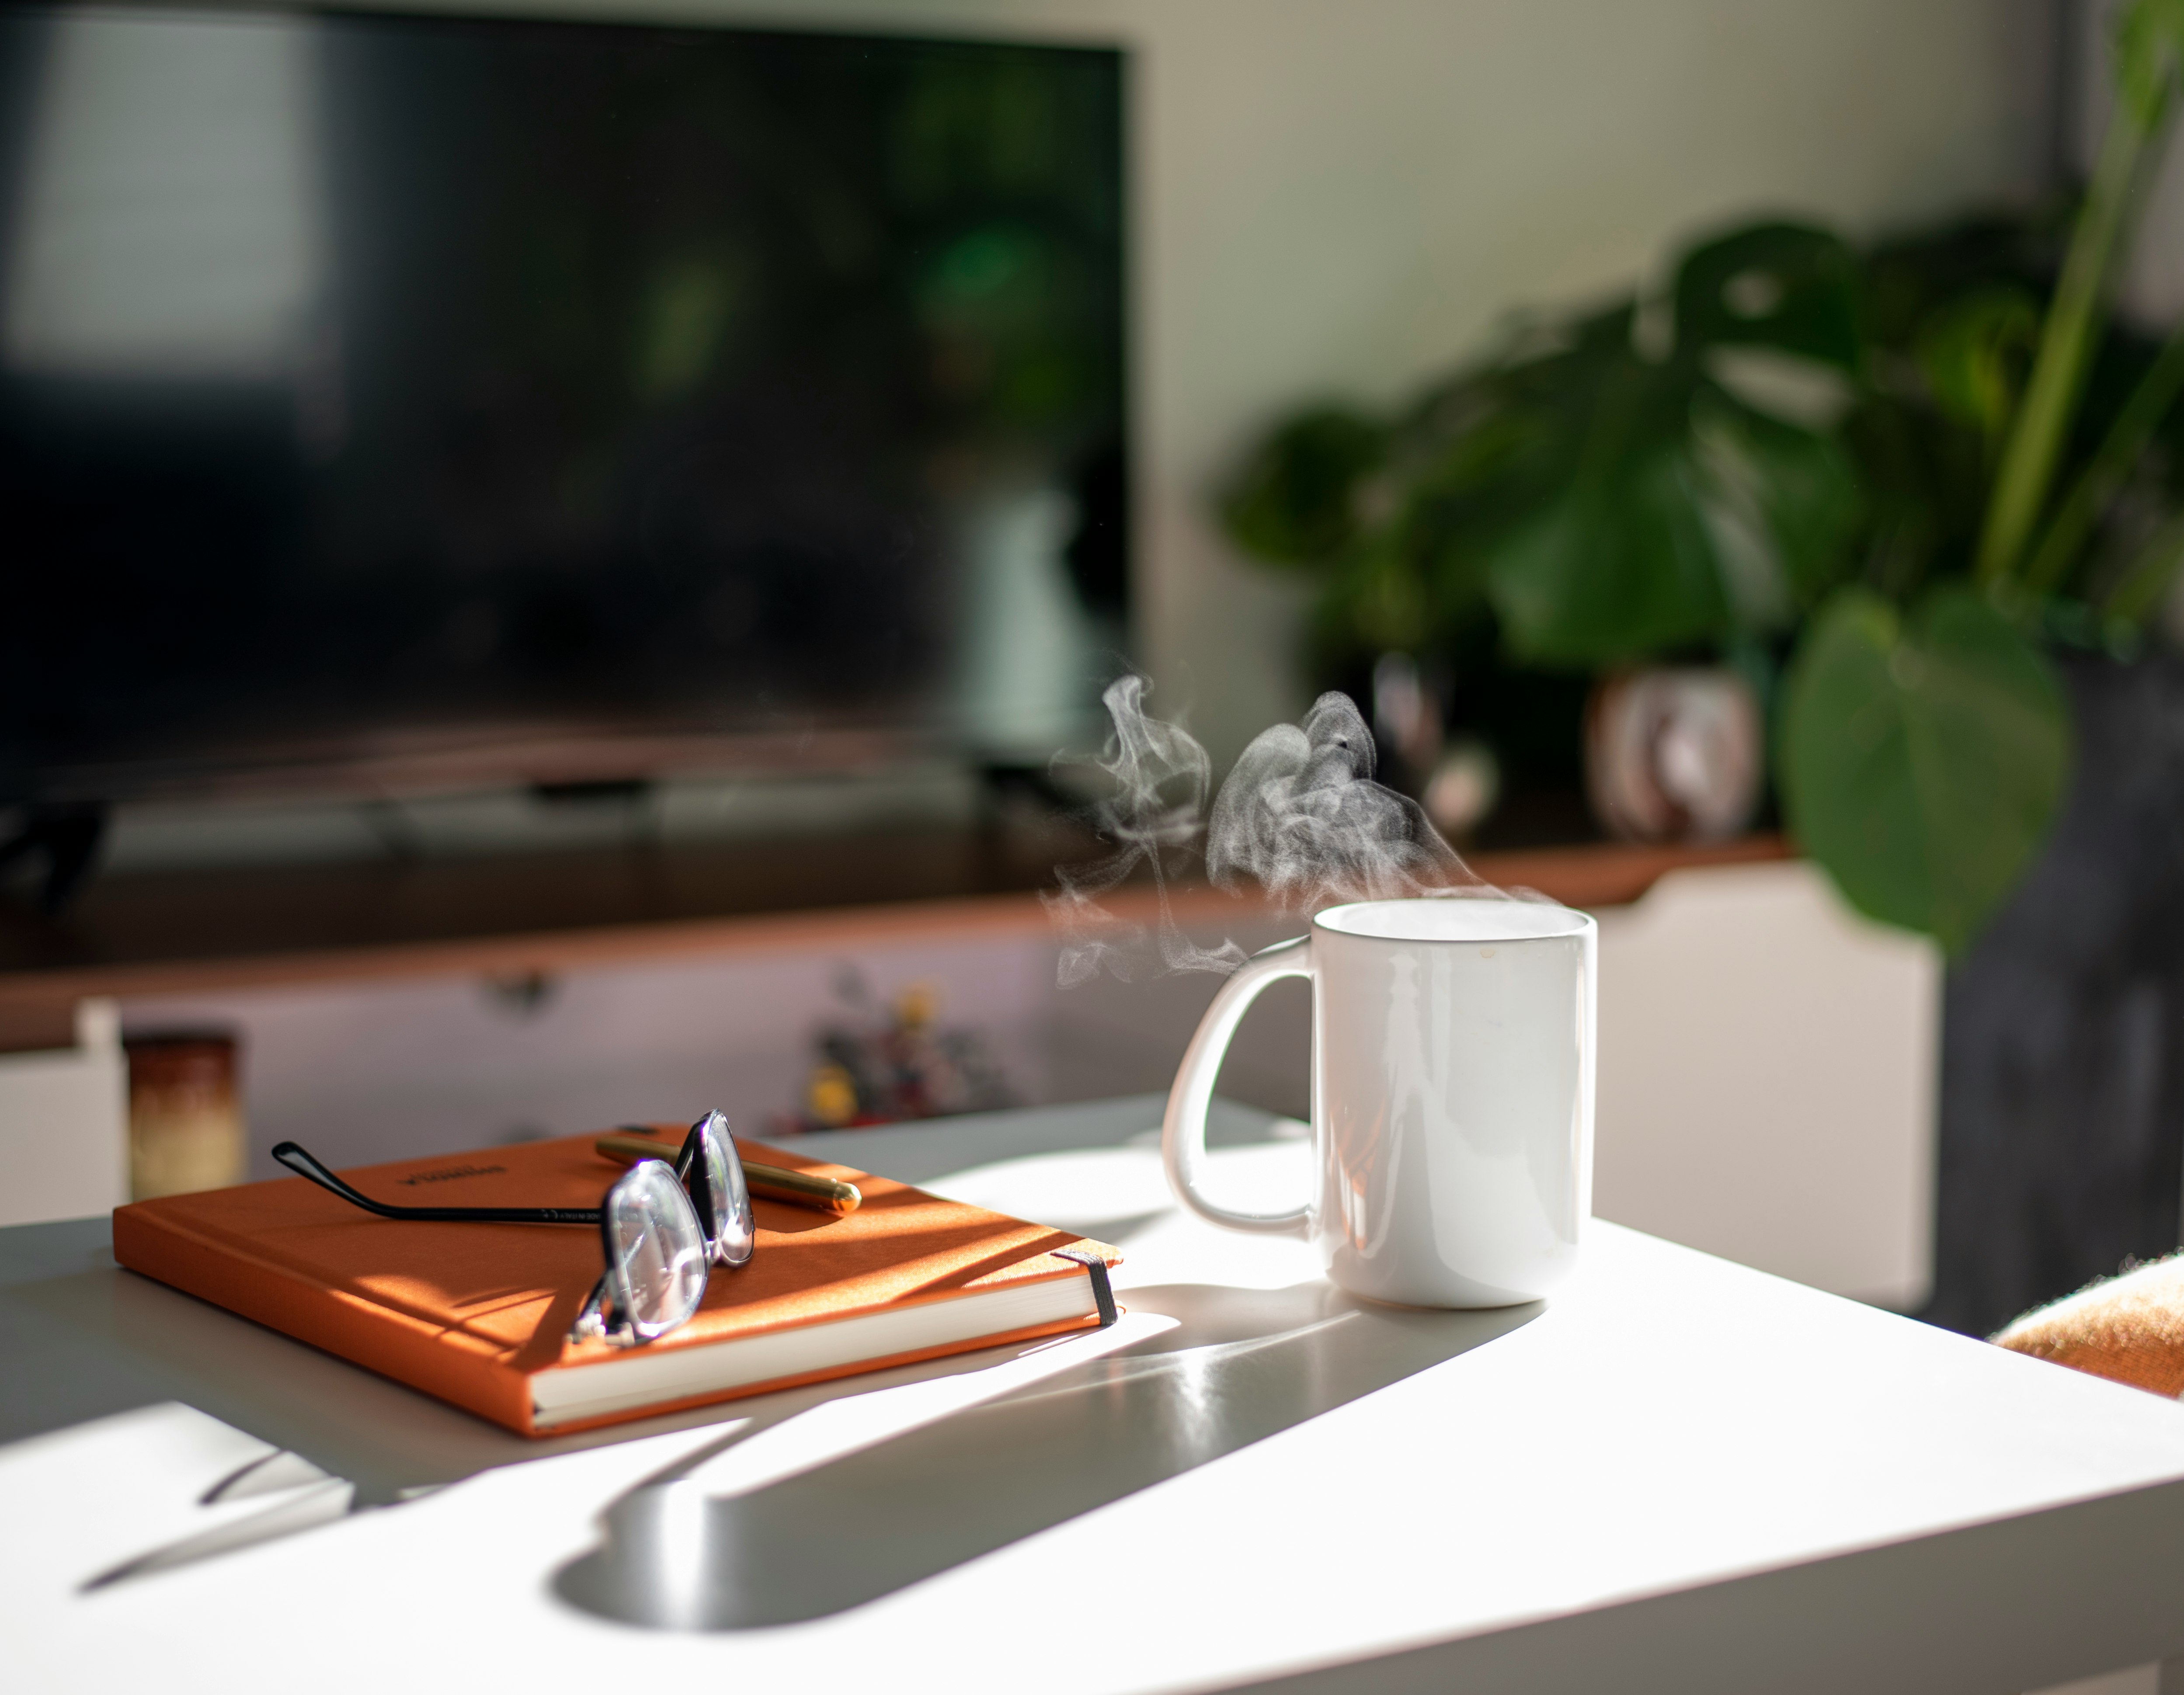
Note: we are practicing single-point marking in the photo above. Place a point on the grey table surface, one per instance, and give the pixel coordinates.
(1682, 1475)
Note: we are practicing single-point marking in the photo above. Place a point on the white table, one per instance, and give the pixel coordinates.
(1682, 1475)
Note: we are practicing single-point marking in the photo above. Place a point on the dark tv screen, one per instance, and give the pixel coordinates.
(396, 396)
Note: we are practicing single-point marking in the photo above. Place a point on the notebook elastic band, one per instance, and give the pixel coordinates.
(1102, 1291)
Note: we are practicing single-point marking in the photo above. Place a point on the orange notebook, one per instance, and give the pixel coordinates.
(479, 1314)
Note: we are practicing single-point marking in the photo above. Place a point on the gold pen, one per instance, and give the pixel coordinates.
(775, 1182)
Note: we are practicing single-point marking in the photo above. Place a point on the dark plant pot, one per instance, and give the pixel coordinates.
(2062, 1125)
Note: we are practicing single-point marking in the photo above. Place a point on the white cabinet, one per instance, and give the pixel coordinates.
(1768, 1079)
(64, 1125)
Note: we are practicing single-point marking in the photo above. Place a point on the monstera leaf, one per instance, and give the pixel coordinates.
(1686, 517)
(1706, 468)
(1684, 514)
(1785, 287)
(1295, 500)
(1922, 756)
(1612, 503)
(1619, 565)
(1784, 505)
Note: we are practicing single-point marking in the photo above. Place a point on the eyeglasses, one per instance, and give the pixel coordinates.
(661, 1229)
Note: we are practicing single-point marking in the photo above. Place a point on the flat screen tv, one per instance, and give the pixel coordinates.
(409, 400)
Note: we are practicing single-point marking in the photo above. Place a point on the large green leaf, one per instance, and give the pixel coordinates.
(1794, 492)
(1680, 518)
(1610, 506)
(1615, 567)
(1609, 560)
(1922, 758)
(1783, 286)
(1295, 500)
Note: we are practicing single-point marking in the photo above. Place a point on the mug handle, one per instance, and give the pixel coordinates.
(1183, 1131)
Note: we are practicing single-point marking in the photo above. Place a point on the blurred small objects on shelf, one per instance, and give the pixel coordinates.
(184, 1113)
(1674, 753)
(1456, 780)
(1461, 792)
(880, 1062)
(1406, 716)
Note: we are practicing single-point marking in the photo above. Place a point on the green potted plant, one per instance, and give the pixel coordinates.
(1878, 486)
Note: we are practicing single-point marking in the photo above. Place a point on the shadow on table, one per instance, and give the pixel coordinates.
(92, 1343)
(1237, 1366)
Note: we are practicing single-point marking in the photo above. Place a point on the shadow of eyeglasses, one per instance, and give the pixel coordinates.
(1236, 1366)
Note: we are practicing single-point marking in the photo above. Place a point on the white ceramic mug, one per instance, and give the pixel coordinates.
(1451, 1097)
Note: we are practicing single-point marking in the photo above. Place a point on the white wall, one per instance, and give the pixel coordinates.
(1338, 196)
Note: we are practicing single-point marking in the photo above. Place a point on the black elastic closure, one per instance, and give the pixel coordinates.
(1103, 1291)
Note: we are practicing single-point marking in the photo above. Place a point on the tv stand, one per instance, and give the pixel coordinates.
(182, 933)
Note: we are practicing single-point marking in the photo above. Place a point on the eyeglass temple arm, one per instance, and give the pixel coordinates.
(304, 1164)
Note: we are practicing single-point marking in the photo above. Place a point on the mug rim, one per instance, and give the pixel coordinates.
(1569, 921)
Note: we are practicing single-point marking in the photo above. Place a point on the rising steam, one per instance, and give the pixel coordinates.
(1160, 775)
(1300, 815)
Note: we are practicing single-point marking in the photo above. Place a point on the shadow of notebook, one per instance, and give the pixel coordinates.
(1233, 1367)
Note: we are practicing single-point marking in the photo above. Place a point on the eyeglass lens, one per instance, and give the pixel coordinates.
(659, 1249)
(724, 1194)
